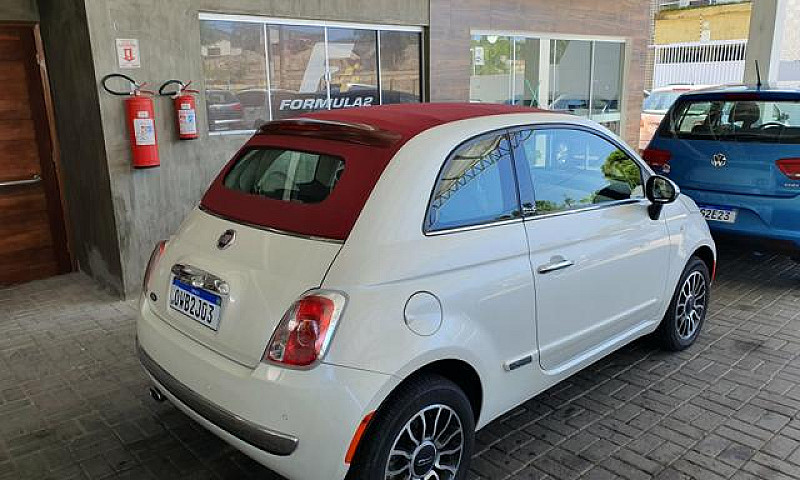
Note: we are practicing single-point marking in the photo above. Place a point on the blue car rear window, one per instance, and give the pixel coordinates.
(770, 121)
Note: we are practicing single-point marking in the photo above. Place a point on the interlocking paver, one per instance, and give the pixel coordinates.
(73, 400)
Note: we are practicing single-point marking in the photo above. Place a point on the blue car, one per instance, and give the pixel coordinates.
(735, 151)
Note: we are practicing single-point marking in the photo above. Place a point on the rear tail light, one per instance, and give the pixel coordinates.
(656, 158)
(158, 252)
(790, 167)
(305, 331)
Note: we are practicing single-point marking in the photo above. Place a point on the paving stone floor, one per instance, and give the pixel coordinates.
(73, 400)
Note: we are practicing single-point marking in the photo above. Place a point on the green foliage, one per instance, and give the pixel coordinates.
(496, 56)
(619, 167)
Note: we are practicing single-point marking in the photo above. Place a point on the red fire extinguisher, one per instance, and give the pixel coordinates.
(185, 108)
(140, 117)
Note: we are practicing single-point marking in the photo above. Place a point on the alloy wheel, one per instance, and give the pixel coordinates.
(691, 305)
(428, 447)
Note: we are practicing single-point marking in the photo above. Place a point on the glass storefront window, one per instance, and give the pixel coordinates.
(607, 69)
(527, 71)
(269, 70)
(491, 69)
(580, 76)
(570, 69)
(400, 67)
(297, 69)
(353, 67)
(233, 62)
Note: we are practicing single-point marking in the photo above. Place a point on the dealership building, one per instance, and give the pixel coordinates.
(81, 204)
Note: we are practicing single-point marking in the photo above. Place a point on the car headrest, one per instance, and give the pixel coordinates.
(746, 112)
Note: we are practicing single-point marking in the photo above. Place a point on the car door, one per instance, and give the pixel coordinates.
(598, 260)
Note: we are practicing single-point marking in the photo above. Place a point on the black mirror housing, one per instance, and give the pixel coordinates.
(660, 191)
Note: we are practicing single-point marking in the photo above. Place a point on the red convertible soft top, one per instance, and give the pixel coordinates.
(366, 138)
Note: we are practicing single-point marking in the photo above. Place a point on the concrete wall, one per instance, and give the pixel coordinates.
(721, 22)
(149, 204)
(84, 165)
(19, 10)
(453, 20)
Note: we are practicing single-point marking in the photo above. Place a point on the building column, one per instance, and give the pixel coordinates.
(764, 42)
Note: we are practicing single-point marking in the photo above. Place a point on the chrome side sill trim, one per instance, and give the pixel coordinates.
(263, 438)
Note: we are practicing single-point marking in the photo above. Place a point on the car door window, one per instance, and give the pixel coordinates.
(573, 169)
(476, 186)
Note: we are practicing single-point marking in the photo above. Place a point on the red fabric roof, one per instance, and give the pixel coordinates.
(410, 119)
(335, 216)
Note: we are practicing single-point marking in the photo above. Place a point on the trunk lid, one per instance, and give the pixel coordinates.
(265, 271)
(730, 167)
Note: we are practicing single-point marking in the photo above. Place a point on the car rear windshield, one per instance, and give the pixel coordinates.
(287, 175)
(300, 185)
(660, 101)
(736, 120)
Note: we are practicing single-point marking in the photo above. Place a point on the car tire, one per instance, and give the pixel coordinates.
(445, 445)
(686, 314)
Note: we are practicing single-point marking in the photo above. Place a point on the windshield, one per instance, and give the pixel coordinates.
(660, 101)
(737, 120)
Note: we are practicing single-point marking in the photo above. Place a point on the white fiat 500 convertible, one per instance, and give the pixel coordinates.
(360, 290)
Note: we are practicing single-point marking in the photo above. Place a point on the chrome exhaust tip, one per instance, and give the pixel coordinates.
(156, 395)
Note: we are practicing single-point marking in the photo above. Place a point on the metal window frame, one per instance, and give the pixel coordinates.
(266, 22)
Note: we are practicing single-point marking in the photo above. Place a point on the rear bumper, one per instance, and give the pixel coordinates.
(260, 437)
(767, 223)
(298, 423)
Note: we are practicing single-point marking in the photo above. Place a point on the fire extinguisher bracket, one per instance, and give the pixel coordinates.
(185, 106)
(140, 117)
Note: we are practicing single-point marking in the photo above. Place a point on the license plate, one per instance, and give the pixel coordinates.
(197, 304)
(718, 214)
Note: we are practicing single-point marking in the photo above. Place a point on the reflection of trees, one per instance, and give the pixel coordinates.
(495, 56)
(619, 167)
(620, 177)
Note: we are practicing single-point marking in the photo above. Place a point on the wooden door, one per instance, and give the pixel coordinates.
(32, 233)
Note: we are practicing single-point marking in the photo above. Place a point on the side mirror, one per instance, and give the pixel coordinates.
(660, 191)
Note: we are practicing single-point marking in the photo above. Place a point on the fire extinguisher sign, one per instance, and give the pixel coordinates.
(187, 122)
(145, 131)
(128, 53)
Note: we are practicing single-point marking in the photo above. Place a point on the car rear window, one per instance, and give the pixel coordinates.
(736, 120)
(286, 175)
(308, 186)
(660, 101)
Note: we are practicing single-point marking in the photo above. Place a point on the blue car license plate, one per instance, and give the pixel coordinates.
(714, 213)
(196, 303)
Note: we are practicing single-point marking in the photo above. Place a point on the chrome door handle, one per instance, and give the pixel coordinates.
(553, 266)
(19, 183)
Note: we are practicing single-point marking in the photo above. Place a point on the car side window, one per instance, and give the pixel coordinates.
(476, 186)
(573, 169)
